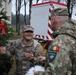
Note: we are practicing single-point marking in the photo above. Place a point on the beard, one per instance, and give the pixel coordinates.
(54, 26)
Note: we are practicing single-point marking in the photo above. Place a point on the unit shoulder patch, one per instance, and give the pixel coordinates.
(53, 52)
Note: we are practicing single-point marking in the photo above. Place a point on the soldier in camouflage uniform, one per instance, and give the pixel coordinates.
(61, 55)
(27, 50)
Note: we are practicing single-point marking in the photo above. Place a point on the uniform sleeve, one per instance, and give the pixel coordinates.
(59, 62)
(39, 52)
(12, 47)
(39, 49)
(11, 50)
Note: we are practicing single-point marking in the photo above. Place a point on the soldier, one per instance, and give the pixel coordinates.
(5, 64)
(61, 55)
(27, 50)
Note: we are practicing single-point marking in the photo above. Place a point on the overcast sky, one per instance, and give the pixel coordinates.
(27, 11)
(22, 9)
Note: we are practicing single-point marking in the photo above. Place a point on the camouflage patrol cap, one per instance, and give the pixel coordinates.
(27, 28)
(60, 12)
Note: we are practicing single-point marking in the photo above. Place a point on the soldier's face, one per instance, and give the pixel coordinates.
(28, 35)
(55, 22)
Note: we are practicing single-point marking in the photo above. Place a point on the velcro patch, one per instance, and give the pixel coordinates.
(53, 52)
(51, 56)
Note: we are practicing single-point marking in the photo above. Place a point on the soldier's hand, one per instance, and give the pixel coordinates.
(35, 72)
(30, 55)
(2, 50)
(42, 58)
(38, 72)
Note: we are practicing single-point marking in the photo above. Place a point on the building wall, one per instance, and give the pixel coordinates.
(8, 8)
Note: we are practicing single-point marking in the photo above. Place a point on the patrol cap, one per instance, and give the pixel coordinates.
(60, 12)
(27, 28)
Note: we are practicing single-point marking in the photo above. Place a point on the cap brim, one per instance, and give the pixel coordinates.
(27, 30)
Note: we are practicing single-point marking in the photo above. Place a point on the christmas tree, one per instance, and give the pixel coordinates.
(5, 28)
(5, 33)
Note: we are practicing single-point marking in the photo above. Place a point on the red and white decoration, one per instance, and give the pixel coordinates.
(40, 19)
(3, 27)
(41, 37)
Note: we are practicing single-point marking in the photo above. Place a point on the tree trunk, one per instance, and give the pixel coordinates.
(25, 12)
(18, 6)
(37, 1)
(72, 5)
(16, 18)
(68, 6)
(30, 3)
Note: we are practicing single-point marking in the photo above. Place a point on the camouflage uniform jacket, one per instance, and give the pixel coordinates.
(62, 61)
(22, 63)
(61, 55)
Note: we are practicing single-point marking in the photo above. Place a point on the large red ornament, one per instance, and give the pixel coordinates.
(3, 27)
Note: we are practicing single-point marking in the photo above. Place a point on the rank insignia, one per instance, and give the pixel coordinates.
(54, 48)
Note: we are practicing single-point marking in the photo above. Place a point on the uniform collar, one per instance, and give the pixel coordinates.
(27, 45)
